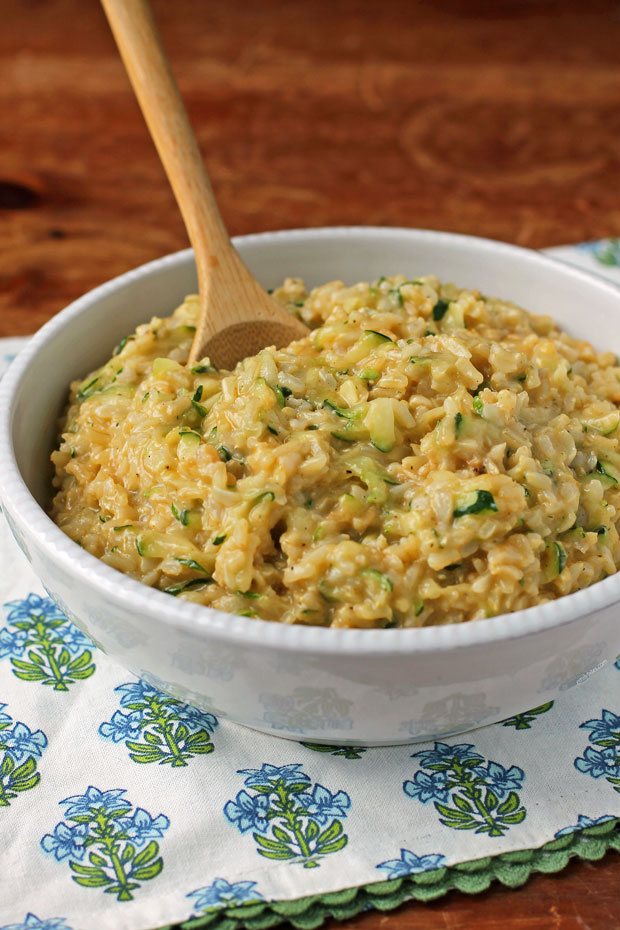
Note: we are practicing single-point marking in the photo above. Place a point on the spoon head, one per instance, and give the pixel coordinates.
(238, 341)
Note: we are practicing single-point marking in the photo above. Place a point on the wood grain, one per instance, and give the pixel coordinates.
(494, 118)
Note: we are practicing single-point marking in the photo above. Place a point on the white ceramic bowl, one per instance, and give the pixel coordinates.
(337, 686)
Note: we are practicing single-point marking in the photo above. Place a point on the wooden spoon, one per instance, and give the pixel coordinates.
(237, 317)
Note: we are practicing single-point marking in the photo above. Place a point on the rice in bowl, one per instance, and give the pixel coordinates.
(425, 456)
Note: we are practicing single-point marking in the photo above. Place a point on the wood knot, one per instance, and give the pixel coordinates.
(14, 196)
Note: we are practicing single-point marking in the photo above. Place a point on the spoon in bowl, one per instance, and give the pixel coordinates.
(237, 317)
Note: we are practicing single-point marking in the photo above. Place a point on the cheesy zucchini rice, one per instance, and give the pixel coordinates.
(425, 456)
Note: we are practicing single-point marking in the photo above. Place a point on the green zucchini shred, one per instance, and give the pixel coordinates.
(200, 410)
(180, 515)
(280, 396)
(194, 565)
(561, 556)
(440, 309)
(483, 502)
(326, 593)
(203, 369)
(185, 585)
(373, 332)
(84, 389)
(380, 577)
(263, 496)
(605, 468)
(339, 411)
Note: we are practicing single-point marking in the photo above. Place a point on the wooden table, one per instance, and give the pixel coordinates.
(495, 118)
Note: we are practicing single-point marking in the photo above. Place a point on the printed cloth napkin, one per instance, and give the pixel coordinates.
(122, 808)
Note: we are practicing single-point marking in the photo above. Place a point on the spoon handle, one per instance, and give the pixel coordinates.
(236, 317)
(151, 77)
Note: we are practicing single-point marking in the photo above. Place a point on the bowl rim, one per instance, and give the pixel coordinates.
(197, 619)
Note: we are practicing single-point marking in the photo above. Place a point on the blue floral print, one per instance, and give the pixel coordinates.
(603, 762)
(268, 775)
(57, 652)
(21, 741)
(442, 751)
(133, 691)
(458, 774)
(292, 810)
(159, 728)
(425, 788)
(248, 812)
(75, 640)
(66, 841)
(141, 827)
(524, 721)
(20, 747)
(410, 864)
(605, 251)
(323, 805)
(32, 922)
(222, 894)
(607, 728)
(94, 801)
(121, 839)
(349, 752)
(501, 780)
(122, 726)
(12, 642)
(583, 822)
